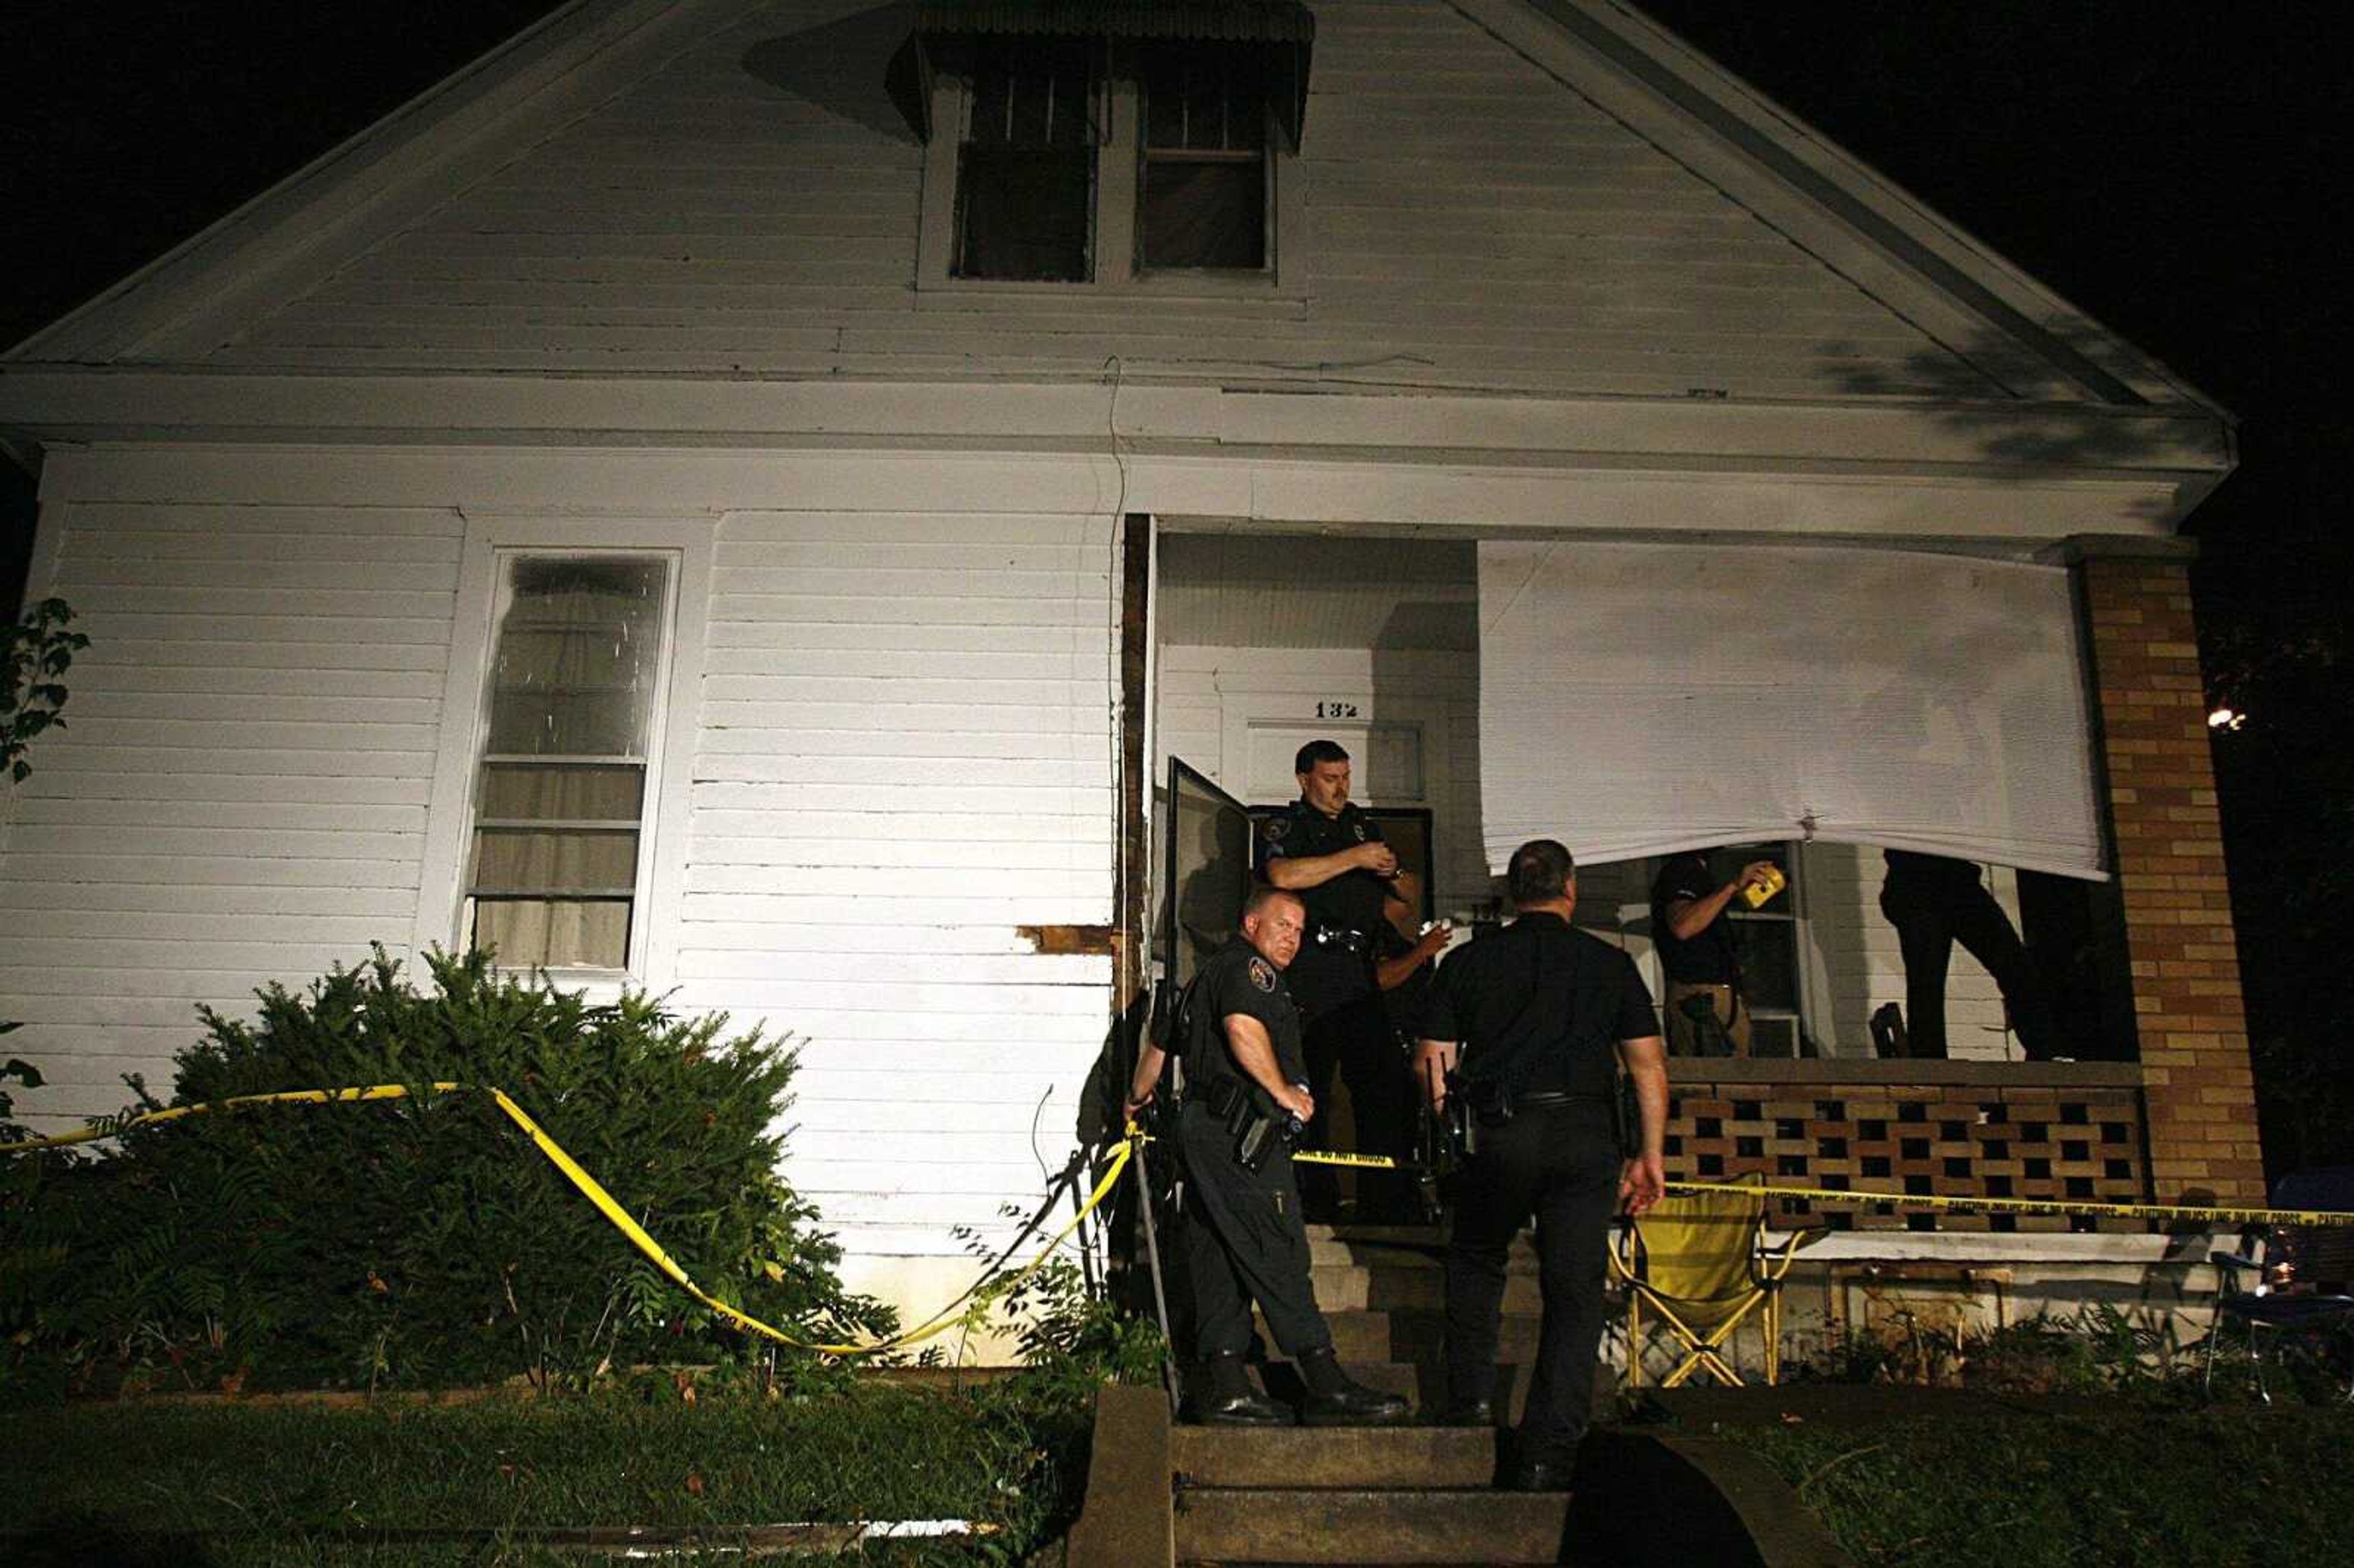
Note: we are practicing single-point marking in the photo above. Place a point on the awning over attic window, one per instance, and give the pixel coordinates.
(1640, 699)
(1281, 32)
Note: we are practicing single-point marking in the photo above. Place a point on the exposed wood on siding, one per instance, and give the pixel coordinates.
(1466, 219)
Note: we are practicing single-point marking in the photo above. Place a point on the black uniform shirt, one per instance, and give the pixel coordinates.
(1349, 902)
(1708, 958)
(1541, 1006)
(1238, 981)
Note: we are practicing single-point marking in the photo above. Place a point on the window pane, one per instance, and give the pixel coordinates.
(562, 792)
(544, 860)
(1770, 963)
(1204, 100)
(549, 934)
(1024, 215)
(1032, 93)
(578, 650)
(1205, 215)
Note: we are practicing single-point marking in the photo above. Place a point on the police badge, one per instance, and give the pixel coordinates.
(1262, 974)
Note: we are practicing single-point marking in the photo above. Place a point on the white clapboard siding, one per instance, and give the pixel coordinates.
(1464, 217)
(906, 755)
(1860, 956)
(238, 795)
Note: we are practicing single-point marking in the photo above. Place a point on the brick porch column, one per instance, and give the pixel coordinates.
(2151, 713)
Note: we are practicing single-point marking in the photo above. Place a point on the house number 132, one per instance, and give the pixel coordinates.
(1336, 710)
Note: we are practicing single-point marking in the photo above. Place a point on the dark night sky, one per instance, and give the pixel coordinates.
(2174, 169)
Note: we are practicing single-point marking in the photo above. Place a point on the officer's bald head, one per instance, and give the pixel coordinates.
(1540, 871)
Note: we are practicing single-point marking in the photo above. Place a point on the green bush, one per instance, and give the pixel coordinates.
(423, 1241)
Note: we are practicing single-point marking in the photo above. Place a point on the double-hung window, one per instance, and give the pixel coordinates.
(555, 871)
(1026, 162)
(1203, 198)
(1770, 941)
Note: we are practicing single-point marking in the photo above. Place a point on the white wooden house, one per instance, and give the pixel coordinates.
(747, 496)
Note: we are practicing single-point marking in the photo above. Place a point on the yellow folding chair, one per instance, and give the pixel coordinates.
(1700, 1263)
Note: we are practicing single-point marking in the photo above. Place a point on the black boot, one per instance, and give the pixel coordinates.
(1334, 1399)
(1223, 1397)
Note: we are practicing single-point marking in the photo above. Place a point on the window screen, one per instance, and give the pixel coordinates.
(560, 804)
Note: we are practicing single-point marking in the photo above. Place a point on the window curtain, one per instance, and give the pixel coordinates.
(1640, 699)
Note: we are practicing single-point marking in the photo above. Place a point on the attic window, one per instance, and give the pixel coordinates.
(1026, 163)
(1203, 198)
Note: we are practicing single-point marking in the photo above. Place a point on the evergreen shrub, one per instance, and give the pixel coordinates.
(423, 1242)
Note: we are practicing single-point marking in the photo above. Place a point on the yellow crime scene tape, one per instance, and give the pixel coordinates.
(2081, 1206)
(606, 1204)
(951, 1315)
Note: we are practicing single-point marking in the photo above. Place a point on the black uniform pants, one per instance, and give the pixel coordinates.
(1358, 1039)
(1927, 930)
(1559, 1164)
(1242, 1240)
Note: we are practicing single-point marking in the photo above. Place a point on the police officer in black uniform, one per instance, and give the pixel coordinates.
(1535, 1022)
(1707, 1015)
(1325, 849)
(1241, 1231)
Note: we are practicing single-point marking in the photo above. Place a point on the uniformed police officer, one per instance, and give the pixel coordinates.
(1325, 849)
(1534, 1021)
(1241, 1231)
(1698, 956)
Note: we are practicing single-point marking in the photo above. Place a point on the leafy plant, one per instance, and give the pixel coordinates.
(35, 653)
(422, 1241)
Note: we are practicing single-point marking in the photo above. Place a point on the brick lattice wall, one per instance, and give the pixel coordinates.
(1961, 1140)
(2192, 1031)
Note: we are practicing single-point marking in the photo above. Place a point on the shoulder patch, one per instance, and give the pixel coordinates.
(1359, 828)
(1274, 828)
(1262, 974)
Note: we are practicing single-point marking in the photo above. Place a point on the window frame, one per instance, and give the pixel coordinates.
(1790, 855)
(1271, 140)
(664, 808)
(1119, 190)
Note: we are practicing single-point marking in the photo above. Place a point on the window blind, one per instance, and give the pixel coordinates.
(1638, 699)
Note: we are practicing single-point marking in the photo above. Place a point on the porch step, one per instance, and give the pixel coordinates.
(1389, 1286)
(1414, 1334)
(1271, 1525)
(1343, 1457)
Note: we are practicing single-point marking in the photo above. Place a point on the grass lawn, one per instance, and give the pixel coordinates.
(300, 1484)
(2136, 1484)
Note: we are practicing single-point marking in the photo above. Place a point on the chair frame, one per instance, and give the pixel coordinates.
(2229, 1267)
(1768, 1266)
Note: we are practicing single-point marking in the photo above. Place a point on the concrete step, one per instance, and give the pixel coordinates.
(1414, 1334)
(1302, 1525)
(1348, 1457)
(1354, 1287)
(1395, 1253)
(1424, 1385)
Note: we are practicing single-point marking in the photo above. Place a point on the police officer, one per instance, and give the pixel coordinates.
(1934, 901)
(1697, 954)
(1325, 849)
(1534, 1021)
(1241, 1235)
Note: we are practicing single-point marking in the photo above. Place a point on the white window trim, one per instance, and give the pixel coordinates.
(1120, 164)
(465, 714)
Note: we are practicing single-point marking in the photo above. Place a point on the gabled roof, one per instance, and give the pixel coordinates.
(2002, 337)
